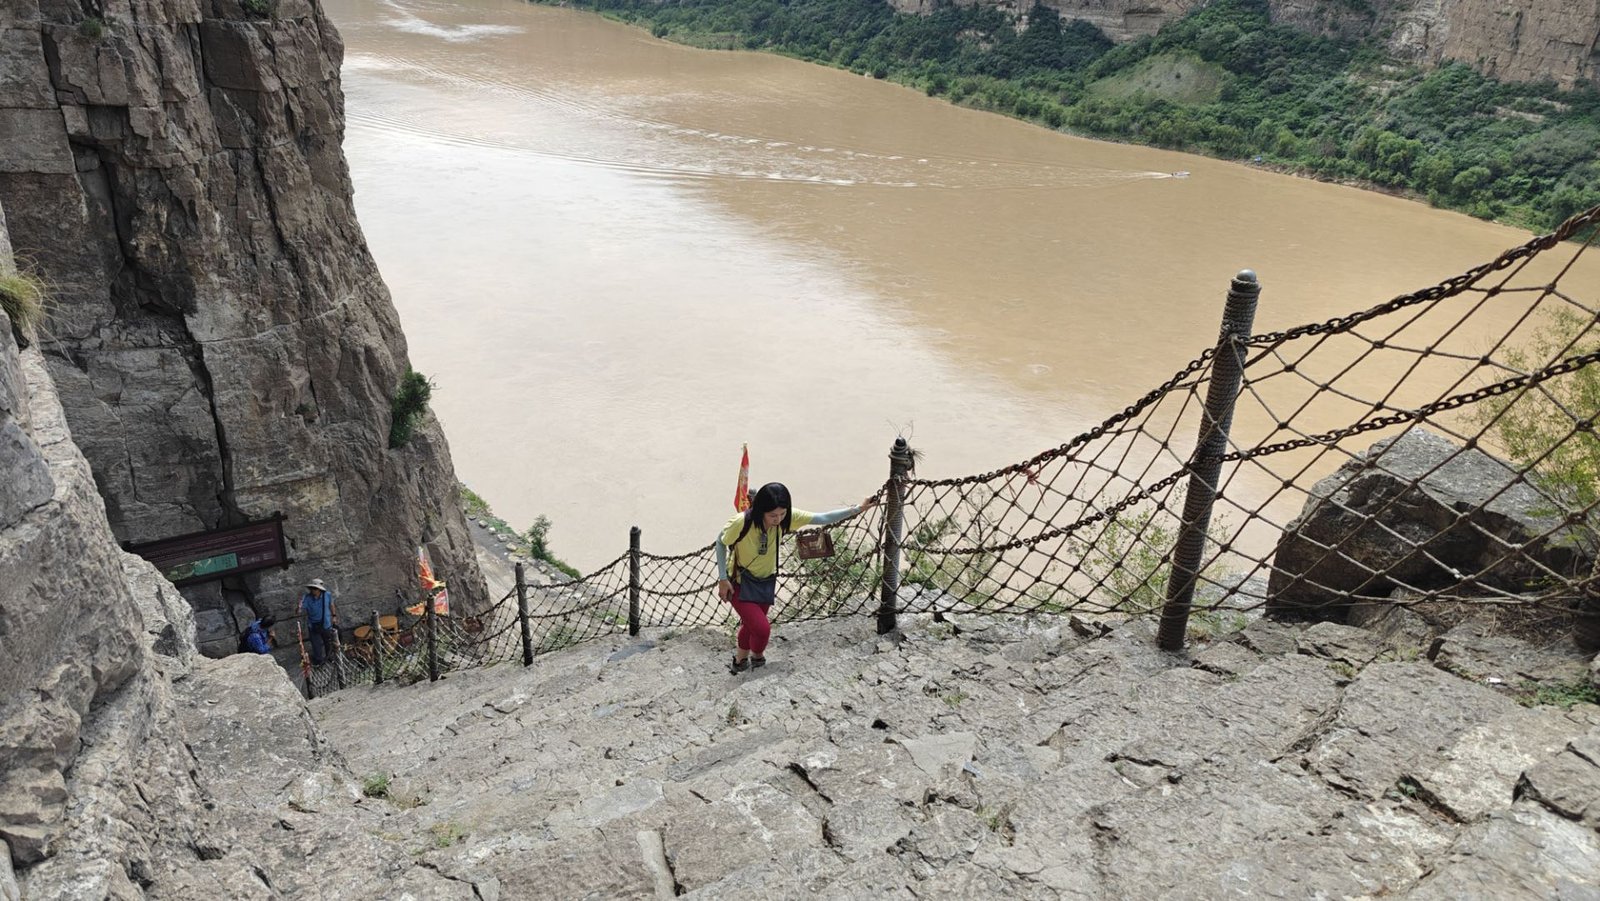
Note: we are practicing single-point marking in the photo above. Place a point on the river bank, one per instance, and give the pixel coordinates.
(617, 213)
(1224, 83)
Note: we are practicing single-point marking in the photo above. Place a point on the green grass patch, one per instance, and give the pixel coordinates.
(22, 296)
(94, 28)
(376, 785)
(1176, 77)
(533, 542)
(1565, 695)
(557, 639)
(446, 834)
(1210, 625)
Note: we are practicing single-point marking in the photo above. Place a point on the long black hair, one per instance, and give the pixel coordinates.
(771, 496)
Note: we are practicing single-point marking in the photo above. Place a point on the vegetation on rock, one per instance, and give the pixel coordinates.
(410, 400)
(1565, 695)
(1550, 427)
(376, 785)
(94, 28)
(534, 542)
(23, 298)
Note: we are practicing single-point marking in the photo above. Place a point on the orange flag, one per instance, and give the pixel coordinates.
(741, 494)
(441, 596)
(425, 571)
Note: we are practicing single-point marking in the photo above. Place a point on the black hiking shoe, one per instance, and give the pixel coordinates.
(738, 666)
(757, 662)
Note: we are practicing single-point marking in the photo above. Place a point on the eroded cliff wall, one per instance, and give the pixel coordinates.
(1514, 40)
(1525, 41)
(222, 342)
(130, 767)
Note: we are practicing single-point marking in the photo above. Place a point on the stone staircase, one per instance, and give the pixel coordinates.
(989, 757)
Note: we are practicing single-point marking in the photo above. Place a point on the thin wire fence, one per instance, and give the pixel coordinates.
(1437, 450)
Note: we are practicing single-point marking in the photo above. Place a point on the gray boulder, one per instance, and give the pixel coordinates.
(1420, 513)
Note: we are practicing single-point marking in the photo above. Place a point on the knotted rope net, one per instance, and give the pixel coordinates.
(1435, 450)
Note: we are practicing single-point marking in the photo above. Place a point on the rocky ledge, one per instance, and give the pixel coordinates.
(989, 757)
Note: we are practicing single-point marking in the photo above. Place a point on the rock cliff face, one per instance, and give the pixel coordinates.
(130, 767)
(58, 662)
(1527, 41)
(1513, 40)
(220, 337)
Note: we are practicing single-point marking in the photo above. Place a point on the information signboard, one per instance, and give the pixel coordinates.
(205, 556)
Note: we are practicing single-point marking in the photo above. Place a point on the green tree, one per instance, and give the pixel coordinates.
(1551, 427)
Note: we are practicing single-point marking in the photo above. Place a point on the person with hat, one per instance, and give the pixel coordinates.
(317, 605)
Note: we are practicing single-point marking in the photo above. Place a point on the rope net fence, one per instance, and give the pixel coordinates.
(1436, 452)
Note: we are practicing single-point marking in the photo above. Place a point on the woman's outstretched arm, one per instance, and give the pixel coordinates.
(833, 516)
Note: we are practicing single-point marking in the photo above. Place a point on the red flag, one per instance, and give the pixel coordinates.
(425, 571)
(741, 494)
(436, 587)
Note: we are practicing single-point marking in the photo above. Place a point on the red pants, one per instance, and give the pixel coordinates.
(754, 627)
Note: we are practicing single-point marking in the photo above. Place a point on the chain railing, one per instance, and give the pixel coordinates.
(1437, 450)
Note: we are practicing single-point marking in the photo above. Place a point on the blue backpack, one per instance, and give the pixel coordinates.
(255, 638)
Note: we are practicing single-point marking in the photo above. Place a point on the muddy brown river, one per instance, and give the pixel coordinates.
(621, 258)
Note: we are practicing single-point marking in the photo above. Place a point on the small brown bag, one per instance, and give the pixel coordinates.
(813, 544)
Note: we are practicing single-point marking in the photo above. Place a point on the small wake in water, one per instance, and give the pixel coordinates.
(682, 154)
(403, 20)
(629, 132)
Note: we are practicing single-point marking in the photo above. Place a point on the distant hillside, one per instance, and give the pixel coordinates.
(1513, 40)
(1325, 105)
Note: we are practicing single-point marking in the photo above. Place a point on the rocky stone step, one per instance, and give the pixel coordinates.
(980, 757)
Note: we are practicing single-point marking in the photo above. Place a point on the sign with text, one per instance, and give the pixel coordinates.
(205, 556)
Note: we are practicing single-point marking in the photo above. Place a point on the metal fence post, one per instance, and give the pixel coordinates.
(377, 650)
(893, 526)
(1205, 466)
(633, 581)
(433, 636)
(522, 616)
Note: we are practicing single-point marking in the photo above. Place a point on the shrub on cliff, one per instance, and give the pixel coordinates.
(410, 399)
(22, 297)
(1542, 427)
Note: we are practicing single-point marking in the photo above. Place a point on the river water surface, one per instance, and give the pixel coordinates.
(621, 258)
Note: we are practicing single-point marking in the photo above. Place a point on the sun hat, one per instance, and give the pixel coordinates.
(317, 583)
